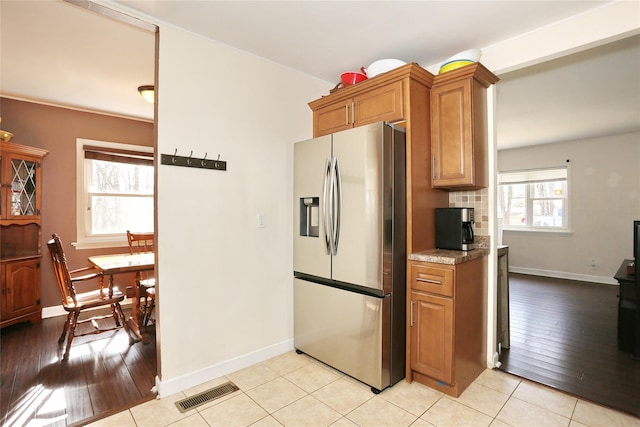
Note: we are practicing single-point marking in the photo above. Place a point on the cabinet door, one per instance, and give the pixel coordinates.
(333, 118)
(21, 288)
(451, 135)
(20, 187)
(431, 326)
(382, 104)
(3, 297)
(376, 105)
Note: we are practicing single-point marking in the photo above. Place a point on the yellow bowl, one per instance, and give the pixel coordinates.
(449, 66)
(5, 136)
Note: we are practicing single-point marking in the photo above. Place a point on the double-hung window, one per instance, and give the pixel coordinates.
(114, 192)
(534, 199)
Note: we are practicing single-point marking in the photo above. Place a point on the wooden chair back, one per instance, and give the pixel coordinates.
(140, 242)
(61, 271)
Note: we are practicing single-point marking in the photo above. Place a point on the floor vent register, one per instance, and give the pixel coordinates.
(206, 396)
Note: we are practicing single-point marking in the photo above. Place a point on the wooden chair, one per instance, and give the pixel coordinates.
(141, 243)
(75, 303)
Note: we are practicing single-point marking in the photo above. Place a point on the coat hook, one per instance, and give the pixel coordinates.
(194, 162)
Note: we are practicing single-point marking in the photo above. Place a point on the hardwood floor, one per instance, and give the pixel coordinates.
(103, 375)
(564, 335)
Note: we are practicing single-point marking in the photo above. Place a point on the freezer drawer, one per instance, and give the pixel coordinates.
(346, 330)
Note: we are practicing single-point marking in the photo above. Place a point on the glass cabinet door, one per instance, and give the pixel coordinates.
(23, 187)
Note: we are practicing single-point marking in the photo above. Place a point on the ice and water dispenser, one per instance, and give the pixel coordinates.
(309, 220)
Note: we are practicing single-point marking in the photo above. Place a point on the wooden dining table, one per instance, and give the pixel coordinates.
(110, 265)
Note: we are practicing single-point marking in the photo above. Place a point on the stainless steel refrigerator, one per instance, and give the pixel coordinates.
(350, 252)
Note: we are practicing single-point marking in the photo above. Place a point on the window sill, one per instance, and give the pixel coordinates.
(101, 243)
(542, 231)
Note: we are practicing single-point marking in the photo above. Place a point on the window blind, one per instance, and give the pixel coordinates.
(533, 175)
(118, 155)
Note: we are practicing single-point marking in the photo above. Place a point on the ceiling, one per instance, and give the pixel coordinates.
(89, 61)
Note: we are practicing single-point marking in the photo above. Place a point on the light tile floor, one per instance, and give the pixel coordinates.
(296, 390)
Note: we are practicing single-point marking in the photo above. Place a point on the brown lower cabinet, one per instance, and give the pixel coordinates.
(446, 330)
(20, 291)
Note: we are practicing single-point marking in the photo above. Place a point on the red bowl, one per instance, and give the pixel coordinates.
(352, 78)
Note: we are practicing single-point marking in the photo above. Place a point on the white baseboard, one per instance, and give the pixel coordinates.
(564, 275)
(57, 310)
(175, 385)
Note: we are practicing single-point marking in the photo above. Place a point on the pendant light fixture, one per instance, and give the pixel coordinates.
(148, 93)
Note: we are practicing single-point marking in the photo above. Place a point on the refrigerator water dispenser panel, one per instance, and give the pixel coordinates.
(309, 221)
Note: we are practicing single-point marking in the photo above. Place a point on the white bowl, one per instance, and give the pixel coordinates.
(472, 55)
(382, 66)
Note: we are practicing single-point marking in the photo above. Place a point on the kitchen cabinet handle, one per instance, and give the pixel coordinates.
(346, 114)
(433, 167)
(353, 112)
(435, 282)
(411, 314)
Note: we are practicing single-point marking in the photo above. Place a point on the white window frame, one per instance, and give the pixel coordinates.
(85, 241)
(531, 177)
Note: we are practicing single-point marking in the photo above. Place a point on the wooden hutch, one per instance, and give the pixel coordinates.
(20, 234)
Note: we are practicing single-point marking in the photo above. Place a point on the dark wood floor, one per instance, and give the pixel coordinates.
(564, 335)
(103, 375)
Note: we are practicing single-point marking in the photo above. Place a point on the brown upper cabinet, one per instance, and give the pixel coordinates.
(383, 103)
(400, 96)
(20, 176)
(459, 128)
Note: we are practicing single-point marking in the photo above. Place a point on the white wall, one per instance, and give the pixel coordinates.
(225, 286)
(604, 197)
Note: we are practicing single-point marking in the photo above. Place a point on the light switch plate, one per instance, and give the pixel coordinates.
(261, 221)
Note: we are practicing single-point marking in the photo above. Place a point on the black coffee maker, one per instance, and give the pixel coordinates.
(454, 228)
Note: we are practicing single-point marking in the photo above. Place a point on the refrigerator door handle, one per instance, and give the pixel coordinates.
(338, 203)
(332, 204)
(327, 210)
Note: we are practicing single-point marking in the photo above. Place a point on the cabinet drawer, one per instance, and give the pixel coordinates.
(432, 279)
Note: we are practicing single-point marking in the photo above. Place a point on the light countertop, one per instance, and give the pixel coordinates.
(446, 256)
(451, 257)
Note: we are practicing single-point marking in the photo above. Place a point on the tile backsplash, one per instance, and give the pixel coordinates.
(477, 199)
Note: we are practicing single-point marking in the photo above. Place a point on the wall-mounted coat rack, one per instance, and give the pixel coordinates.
(193, 162)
